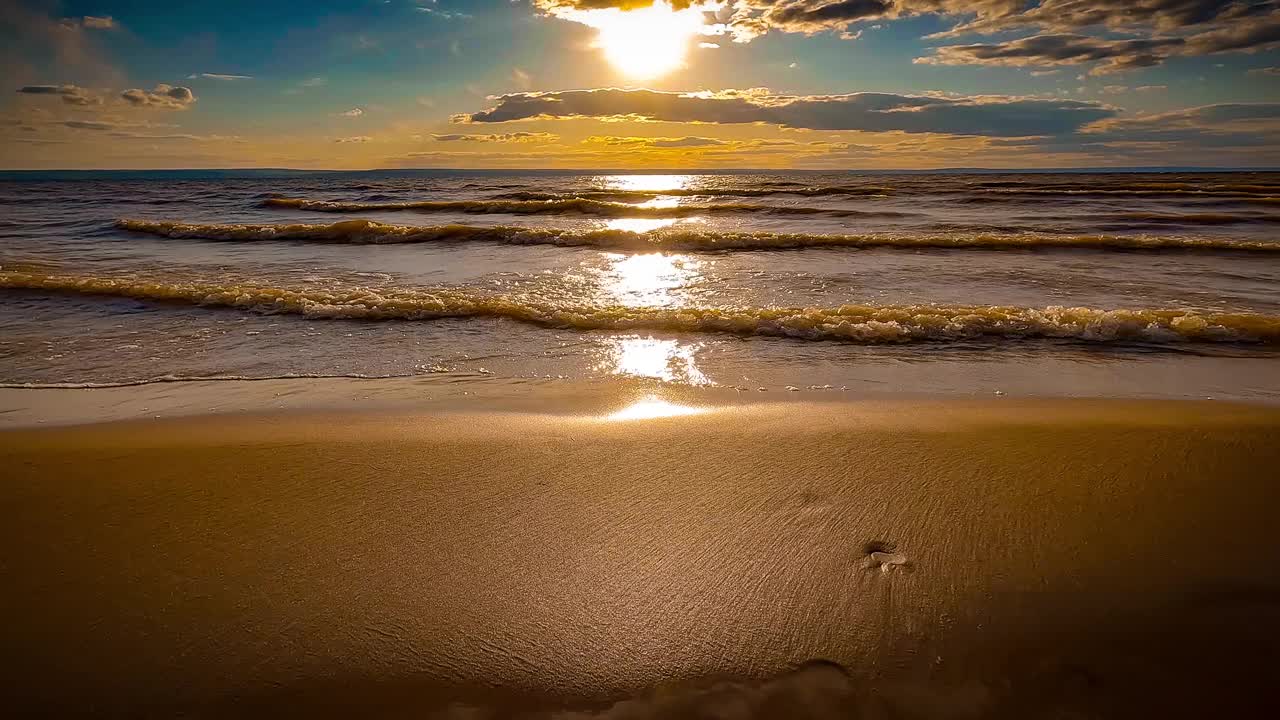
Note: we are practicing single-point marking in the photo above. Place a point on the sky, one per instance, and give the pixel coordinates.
(636, 84)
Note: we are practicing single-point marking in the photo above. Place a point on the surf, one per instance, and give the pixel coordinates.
(368, 232)
(849, 323)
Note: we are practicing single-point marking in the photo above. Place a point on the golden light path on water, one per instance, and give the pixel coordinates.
(650, 280)
(646, 183)
(655, 358)
(638, 225)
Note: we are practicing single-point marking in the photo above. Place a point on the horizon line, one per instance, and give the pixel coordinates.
(686, 171)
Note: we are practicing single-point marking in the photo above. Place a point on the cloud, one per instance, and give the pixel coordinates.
(164, 96)
(655, 142)
(1247, 35)
(1067, 29)
(434, 11)
(99, 23)
(176, 136)
(871, 112)
(1251, 127)
(814, 17)
(1065, 49)
(711, 148)
(353, 139)
(89, 124)
(1161, 15)
(218, 76)
(108, 124)
(1272, 71)
(515, 137)
(1164, 29)
(70, 94)
(36, 141)
(314, 82)
(352, 113)
(746, 20)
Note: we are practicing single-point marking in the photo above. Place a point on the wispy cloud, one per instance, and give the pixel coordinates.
(99, 23)
(655, 142)
(106, 125)
(176, 136)
(353, 139)
(308, 84)
(432, 8)
(70, 94)
(218, 76)
(515, 137)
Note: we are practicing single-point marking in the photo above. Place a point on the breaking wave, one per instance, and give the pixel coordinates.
(565, 206)
(866, 324)
(367, 232)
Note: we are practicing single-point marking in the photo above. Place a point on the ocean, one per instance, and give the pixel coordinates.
(1058, 284)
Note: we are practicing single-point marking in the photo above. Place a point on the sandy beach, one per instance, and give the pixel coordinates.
(957, 558)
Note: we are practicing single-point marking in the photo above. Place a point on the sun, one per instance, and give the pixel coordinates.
(645, 42)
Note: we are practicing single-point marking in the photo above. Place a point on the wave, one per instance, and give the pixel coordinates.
(1105, 191)
(1156, 218)
(1186, 199)
(764, 190)
(1157, 186)
(368, 232)
(566, 206)
(848, 323)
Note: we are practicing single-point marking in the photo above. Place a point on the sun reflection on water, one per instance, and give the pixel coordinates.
(647, 357)
(639, 225)
(647, 183)
(649, 279)
(660, 202)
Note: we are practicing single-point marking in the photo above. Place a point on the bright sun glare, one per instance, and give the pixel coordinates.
(646, 42)
(652, 407)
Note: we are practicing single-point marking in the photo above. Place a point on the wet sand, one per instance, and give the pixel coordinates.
(1002, 558)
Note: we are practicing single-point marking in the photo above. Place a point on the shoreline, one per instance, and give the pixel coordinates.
(461, 392)
(1096, 557)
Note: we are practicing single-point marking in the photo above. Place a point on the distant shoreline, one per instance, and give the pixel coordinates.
(232, 173)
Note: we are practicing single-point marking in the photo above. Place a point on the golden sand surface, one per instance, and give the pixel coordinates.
(955, 558)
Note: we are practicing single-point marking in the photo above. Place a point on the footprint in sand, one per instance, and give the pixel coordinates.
(883, 556)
